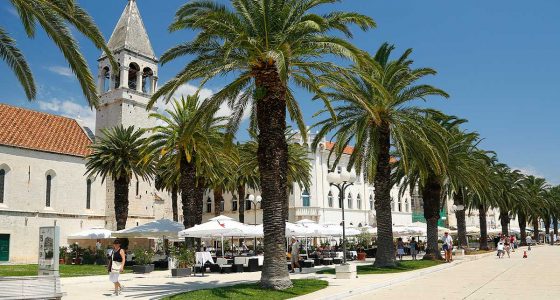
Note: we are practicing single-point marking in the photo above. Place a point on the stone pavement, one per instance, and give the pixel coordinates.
(487, 277)
(537, 277)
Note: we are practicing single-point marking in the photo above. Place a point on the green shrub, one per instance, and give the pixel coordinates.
(143, 256)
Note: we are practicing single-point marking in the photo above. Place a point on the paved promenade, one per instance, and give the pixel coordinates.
(487, 277)
(537, 277)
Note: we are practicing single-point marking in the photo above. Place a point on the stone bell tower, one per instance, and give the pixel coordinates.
(124, 94)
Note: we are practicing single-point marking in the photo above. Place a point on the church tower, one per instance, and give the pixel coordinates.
(124, 93)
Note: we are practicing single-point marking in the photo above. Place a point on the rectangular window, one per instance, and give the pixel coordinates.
(48, 193)
(234, 204)
(88, 194)
(2, 179)
(247, 205)
(209, 205)
(137, 188)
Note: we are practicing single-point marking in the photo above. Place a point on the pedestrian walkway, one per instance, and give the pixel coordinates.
(488, 278)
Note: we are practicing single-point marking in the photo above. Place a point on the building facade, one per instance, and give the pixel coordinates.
(321, 202)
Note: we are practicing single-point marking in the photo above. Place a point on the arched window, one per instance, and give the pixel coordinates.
(392, 204)
(117, 78)
(248, 203)
(88, 194)
(106, 79)
(350, 200)
(137, 187)
(305, 198)
(133, 72)
(147, 79)
(2, 180)
(340, 201)
(400, 204)
(48, 192)
(339, 169)
(330, 199)
(234, 203)
(209, 205)
(406, 205)
(359, 201)
(371, 202)
(222, 206)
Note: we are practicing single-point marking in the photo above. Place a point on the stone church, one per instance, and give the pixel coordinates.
(42, 156)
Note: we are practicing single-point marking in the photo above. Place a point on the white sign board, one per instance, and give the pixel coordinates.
(48, 250)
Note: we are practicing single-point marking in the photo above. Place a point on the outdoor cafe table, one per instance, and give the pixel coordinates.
(201, 258)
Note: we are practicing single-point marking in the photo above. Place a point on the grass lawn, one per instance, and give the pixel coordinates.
(252, 291)
(65, 270)
(402, 266)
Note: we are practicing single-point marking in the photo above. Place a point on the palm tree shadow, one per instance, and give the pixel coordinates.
(153, 291)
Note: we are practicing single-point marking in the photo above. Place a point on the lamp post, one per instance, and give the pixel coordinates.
(255, 200)
(341, 182)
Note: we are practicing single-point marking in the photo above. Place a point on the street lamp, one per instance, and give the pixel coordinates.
(255, 200)
(341, 182)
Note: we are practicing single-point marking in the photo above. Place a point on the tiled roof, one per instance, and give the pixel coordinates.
(39, 131)
(348, 150)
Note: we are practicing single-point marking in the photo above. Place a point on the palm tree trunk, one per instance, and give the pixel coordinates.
(121, 202)
(536, 229)
(504, 221)
(385, 255)
(461, 222)
(218, 199)
(241, 205)
(174, 202)
(522, 219)
(187, 185)
(547, 228)
(273, 165)
(431, 194)
(483, 228)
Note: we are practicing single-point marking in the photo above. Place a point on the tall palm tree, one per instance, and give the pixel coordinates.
(267, 45)
(376, 113)
(299, 167)
(55, 17)
(246, 175)
(536, 193)
(191, 136)
(117, 155)
(167, 179)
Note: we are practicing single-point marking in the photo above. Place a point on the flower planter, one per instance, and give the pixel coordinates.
(361, 256)
(142, 269)
(181, 272)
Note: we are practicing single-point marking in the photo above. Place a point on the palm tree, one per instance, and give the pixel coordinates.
(54, 16)
(167, 179)
(375, 112)
(554, 209)
(535, 193)
(117, 156)
(191, 136)
(299, 167)
(266, 45)
(246, 176)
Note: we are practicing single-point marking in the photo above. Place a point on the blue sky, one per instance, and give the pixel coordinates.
(497, 59)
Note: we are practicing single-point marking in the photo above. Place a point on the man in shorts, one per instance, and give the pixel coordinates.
(295, 255)
(448, 247)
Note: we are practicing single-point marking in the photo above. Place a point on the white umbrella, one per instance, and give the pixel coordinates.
(91, 234)
(155, 229)
(219, 228)
(293, 230)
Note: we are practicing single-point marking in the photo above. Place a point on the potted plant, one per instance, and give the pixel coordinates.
(143, 261)
(364, 240)
(184, 260)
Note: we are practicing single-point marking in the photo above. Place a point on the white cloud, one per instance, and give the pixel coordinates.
(83, 114)
(529, 170)
(62, 71)
(204, 93)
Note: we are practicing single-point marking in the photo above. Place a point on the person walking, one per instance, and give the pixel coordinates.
(448, 247)
(500, 248)
(413, 248)
(116, 266)
(400, 248)
(507, 246)
(295, 255)
(529, 241)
